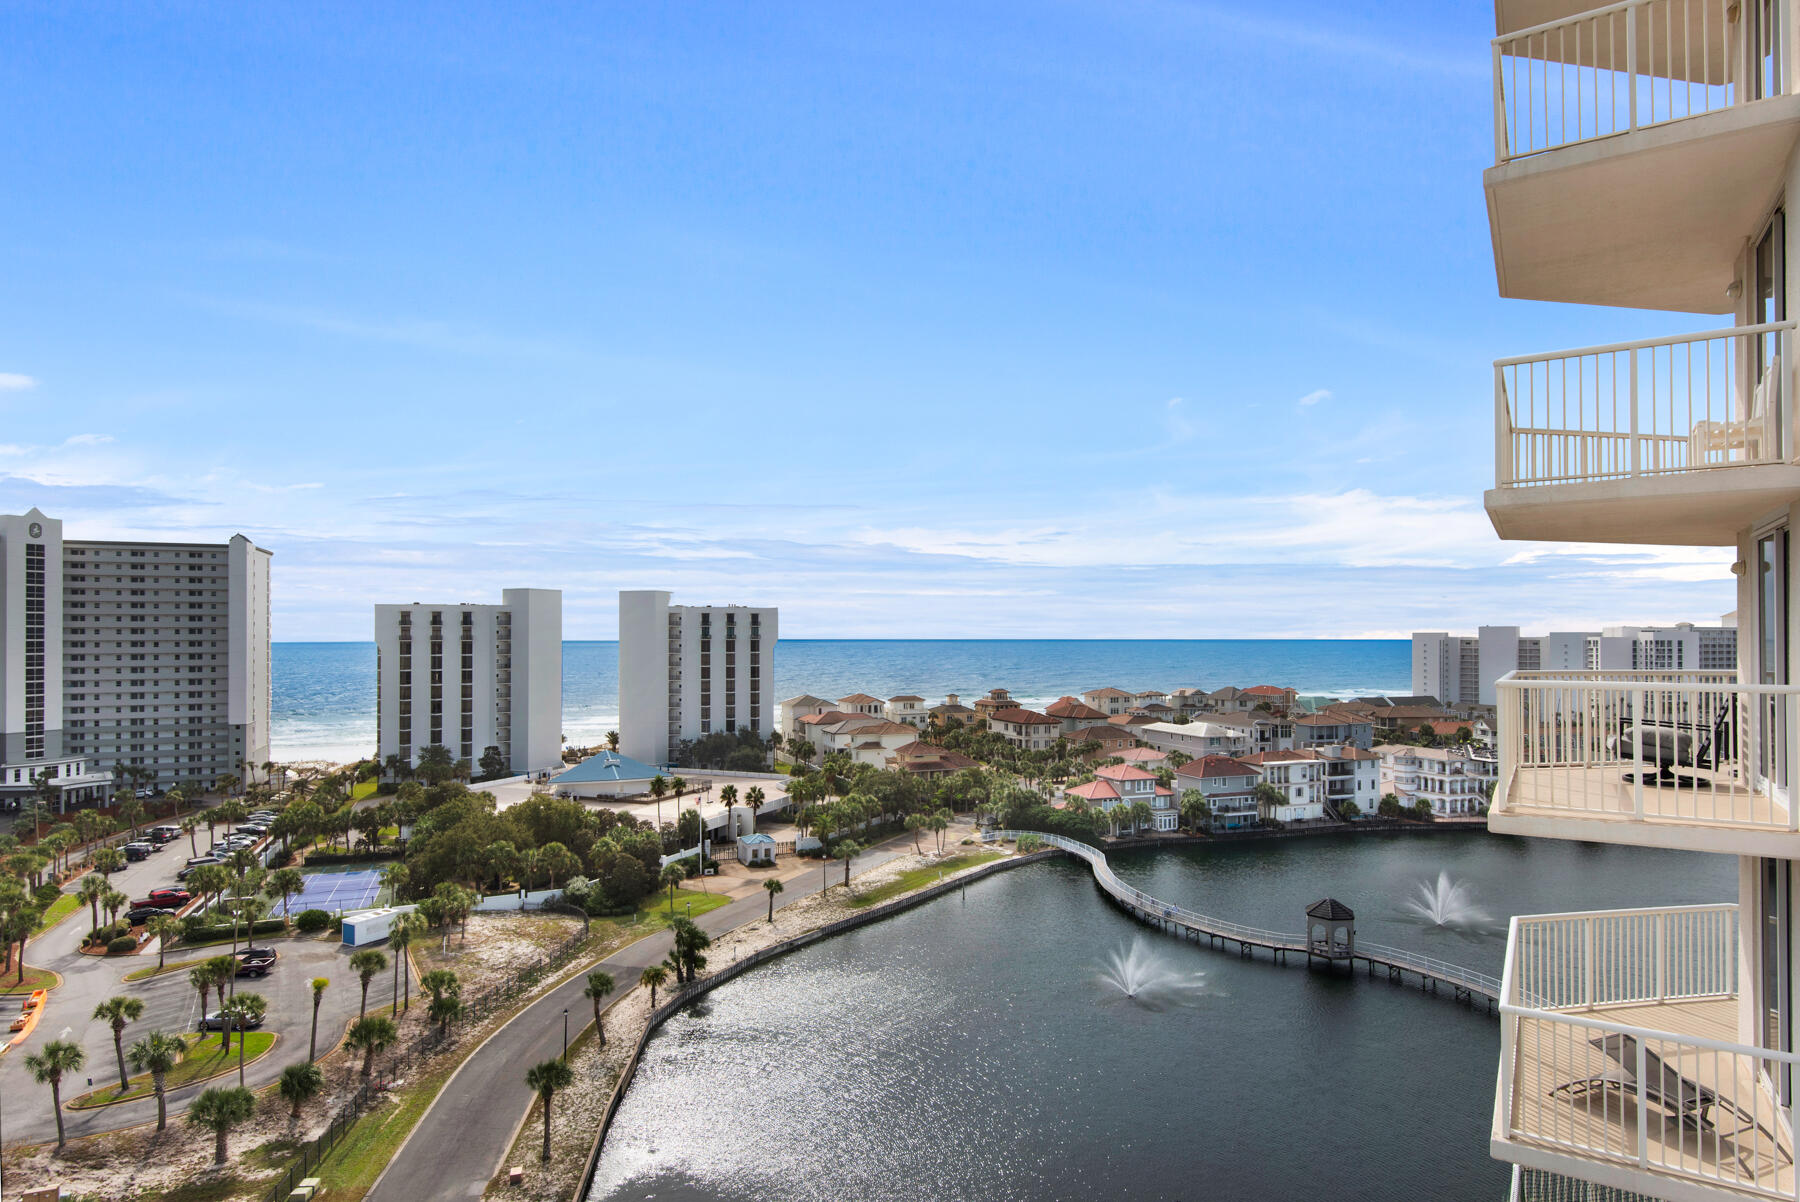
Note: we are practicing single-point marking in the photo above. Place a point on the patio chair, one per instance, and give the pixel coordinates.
(1689, 1103)
(1668, 746)
(1749, 440)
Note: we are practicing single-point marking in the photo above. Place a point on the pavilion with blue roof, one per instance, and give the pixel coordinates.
(607, 774)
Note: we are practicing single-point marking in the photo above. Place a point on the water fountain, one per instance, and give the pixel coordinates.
(1144, 975)
(1448, 903)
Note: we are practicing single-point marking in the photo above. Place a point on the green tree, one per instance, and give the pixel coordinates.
(300, 1084)
(545, 1079)
(671, 877)
(846, 850)
(118, 1013)
(1196, 811)
(371, 1036)
(493, 763)
(406, 928)
(48, 1067)
(91, 890)
(652, 977)
(319, 985)
(243, 1011)
(556, 860)
(598, 988)
(157, 1053)
(163, 928)
(772, 887)
(284, 883)
(612, 740)
(436, 764)
(365, 963)
(218, 1111)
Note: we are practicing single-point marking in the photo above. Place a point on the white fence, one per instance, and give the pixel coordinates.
(516, 901)
(1625, 66)
(1694, 747)
(1651, 407)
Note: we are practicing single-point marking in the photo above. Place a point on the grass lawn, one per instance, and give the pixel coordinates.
(65, 905)
(202, 1060)
(918, 878)
(656, 917)
(35, 978)
(364, 789)
(144, 974)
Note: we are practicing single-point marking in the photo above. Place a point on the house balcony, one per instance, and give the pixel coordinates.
(1635, 145)
(1619, 1060)
(1682, 440)
(1688, 760)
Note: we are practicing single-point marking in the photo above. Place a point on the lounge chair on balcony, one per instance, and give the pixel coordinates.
(1714, 443)
(1689, 1103)
(1668, 746)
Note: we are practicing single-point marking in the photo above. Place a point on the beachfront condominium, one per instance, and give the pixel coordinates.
(1644, 152)
(141, 664)
(692, 670)
(1461, 670)
(481, 681)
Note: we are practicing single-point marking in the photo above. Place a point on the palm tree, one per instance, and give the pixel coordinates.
(671, 878)
(118, 1013)
(365, 964)
(653, 976)
(219, 1110)
(545, 1079)
(599, 987)
(318, 994)
(300, 1083)
(157, 1053)
(369, 1036)
(914, 824)
(658, 786)
(91, 891)
(48, 1067)
(846, 850)
(752, 799)
(773, 887)
(400, 937)
(612, 740)
(244, 1011)
(728, 795)
(284, 883)
(164, 928)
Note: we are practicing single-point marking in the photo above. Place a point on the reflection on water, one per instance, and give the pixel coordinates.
(966, 1049)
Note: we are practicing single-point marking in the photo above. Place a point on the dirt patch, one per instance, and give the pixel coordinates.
(498, 947)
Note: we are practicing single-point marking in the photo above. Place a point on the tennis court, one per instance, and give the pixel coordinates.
(343, 889)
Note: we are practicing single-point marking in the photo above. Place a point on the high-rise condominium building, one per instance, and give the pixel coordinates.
(1463, 669)
(1644, 152)
(691, 670)
(129, 663)
(470, 678)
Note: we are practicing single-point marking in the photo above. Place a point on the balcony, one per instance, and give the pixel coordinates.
(1618, 1060)
(1635, 145)
(1680, 440)
(1688, 760)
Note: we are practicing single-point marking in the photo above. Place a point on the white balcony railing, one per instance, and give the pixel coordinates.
(1626, 66)
(1694, 748)
(1618, 1049)
(1654, 407)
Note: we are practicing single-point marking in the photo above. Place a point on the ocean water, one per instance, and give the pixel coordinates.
(324, 693)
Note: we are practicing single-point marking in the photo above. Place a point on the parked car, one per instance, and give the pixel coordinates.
(164, 834)
(137, 916)
(166, 898)
(256, 961)
(252, 828)
(216, 1022)
(195, 863)
(138, 851)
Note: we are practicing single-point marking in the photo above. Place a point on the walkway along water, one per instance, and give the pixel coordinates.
(1465, 984)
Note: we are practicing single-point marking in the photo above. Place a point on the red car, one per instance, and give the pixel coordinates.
(166, 899)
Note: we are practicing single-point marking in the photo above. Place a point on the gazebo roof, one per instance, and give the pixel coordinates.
(1331, 910)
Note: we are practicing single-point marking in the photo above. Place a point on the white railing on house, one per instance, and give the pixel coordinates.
(1682, 747)
(1653, 407)
(1626, 66)
(1578, 1076)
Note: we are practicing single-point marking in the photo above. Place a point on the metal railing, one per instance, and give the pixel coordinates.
(1627, 66)
(1689, 747)
(1579, 1076)
(1655, 406)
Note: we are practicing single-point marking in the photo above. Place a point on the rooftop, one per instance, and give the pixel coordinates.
(605, 766)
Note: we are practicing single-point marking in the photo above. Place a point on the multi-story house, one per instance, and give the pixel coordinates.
(1229, 787)
(1112, 739)
(1195, 738)
(907, 708)
(1455, 780)
(1261, 731)
(1108, 700)
(929, 761)
(1643, 155)
(1073, 714)
(1299, 776)
(995, 701)
(1332, 727)
(129, 662)
(862, 703)
(692, 670)
(1124, 785)
(952, 711)
(470, 679)
(1027, 730)
(793, 709)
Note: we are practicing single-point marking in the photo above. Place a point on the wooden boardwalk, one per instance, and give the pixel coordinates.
(1463, 984)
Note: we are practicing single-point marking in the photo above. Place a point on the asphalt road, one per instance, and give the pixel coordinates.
(459, 1145)
(170, 1004)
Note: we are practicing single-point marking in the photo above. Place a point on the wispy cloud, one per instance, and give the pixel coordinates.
(1315, 396)
(12, 381)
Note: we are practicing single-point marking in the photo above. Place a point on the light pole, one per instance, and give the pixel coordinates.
(565, 1055)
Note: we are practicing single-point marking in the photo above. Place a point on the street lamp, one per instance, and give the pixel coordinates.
(565, 1032)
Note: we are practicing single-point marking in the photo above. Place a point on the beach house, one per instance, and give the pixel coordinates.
(1025, 729)
(1229, 787)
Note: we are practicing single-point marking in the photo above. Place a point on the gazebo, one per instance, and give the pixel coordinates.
(1330, 931)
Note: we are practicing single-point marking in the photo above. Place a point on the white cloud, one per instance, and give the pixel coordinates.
(87, 440)
(1315, 396)
(12, 381)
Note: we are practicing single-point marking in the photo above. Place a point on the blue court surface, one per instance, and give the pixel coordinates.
(350, 889)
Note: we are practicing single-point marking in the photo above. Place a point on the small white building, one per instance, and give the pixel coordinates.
(909, 709)
(1299, 776)
(607, 774)
(1455, 780)
(796, 708)
(757, 851)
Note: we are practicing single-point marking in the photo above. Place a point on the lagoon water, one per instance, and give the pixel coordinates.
(973, 1047)
(324, 693)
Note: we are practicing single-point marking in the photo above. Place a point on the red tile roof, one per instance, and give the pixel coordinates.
(1215, 765)
(1124, 772)
(1069, 707)
(1094, 790)
(859, 699)
(1266, 690)
(1020, 717)
(1108, 691)
(1142, 755)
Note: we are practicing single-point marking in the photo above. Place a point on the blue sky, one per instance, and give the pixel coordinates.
(1104, 319)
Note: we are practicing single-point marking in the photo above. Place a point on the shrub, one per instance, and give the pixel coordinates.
(312, 921)
(205, 932)
(123, 945)
(45, 895)
(109, 932)
(1026, 843)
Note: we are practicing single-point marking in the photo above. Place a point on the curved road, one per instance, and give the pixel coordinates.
(463, 1139)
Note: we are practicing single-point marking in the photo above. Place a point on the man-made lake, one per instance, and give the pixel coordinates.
(971, 1049)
